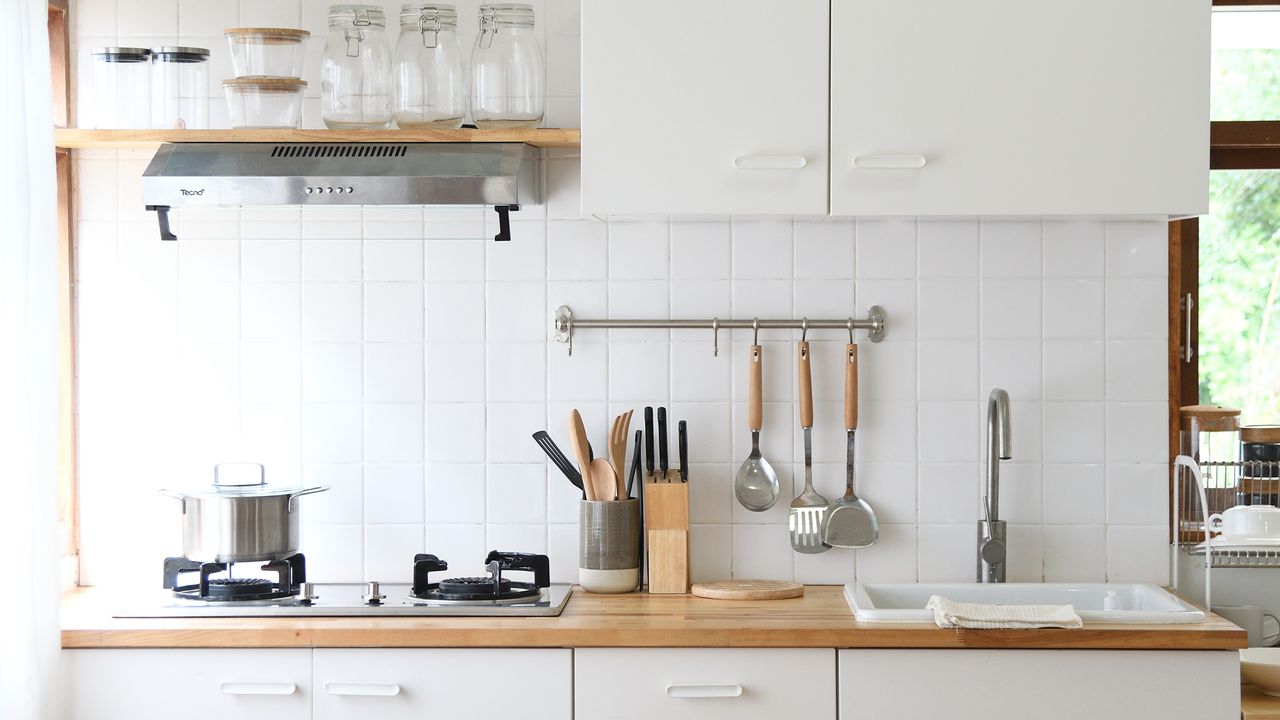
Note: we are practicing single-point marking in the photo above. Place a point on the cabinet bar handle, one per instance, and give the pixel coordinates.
(362, 689)
(770, 162)
(704, 691)
(888, 162)
(257, 688)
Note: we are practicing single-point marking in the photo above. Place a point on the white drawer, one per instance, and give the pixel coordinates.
(401, 684)
(205, 684)
(673, 684)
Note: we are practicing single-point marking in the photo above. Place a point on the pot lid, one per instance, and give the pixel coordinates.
(243, 480)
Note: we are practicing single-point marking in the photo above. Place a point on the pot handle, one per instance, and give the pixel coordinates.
(305, 491)
(179, 496)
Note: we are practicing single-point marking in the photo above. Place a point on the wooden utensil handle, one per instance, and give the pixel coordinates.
(806, 387)
(755, 415)
(851, 386)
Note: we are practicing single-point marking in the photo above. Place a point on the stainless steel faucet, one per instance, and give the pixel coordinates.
(992, 545)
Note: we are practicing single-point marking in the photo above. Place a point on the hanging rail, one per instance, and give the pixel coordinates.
(873, 323)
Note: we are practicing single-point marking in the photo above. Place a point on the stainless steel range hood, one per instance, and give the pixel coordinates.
(503, 175)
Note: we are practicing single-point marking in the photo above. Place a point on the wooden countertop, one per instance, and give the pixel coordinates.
(821, 618)
(1256, 706)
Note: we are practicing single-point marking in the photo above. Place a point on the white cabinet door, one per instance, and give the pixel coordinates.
(1019, 107)
(413, 684)
(704, 106)
(206, 684)
(1040, 684)
(698, 683)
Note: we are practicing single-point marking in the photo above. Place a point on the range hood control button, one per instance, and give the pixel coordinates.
(310, 189)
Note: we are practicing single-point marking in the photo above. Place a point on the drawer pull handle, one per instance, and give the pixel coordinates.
(362, 689)
(704, 691)
(258, 688)
(770, 162)
(889, 162)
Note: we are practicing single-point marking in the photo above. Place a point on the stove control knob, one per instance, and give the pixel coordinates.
(307, 593)
(373, 595)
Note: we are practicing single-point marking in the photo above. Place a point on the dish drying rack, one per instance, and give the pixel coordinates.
(1201, 489)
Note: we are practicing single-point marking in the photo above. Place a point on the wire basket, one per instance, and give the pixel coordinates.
(1226, 484)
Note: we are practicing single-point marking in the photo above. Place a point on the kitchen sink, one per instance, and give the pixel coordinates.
(1094, 602)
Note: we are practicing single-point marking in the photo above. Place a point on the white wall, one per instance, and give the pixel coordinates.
(339, 346)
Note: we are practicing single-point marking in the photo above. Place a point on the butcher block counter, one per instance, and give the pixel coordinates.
(820, 619)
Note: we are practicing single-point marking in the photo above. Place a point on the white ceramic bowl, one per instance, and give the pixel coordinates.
(1261, 667)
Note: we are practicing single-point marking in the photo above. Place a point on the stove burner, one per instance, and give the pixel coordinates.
(239, 588)
(493, 588)
(290, 573)
(469, 585)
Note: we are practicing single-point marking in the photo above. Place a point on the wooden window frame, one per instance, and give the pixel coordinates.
(1233, 145)
(59, 24)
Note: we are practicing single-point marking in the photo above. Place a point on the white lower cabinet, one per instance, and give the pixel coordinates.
(699, 683)
(192, 684)
(1039, 684)
(399, 684)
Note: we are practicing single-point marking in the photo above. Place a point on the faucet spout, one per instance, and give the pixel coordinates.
(992, 543)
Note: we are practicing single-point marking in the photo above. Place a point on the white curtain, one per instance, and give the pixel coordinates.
(28, 369)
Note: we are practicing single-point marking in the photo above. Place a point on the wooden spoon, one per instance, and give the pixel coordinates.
(604, 483)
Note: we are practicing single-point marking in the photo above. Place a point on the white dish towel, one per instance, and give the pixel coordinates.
(951, 614)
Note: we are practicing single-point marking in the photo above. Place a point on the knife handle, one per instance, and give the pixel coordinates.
(755, 416)
(662, 441)
(648, 440)
(683, 434)
(806, 386)
(851, 386)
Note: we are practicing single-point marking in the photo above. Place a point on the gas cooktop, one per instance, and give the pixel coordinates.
(224, 591)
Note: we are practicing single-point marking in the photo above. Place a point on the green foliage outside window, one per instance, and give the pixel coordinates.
(1240, 252)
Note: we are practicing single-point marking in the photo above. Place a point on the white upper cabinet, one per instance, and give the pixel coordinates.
(937, 107)
(695, 106)
(1019, 107)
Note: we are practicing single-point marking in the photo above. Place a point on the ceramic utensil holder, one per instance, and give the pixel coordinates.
(609, 545)
(666, 513)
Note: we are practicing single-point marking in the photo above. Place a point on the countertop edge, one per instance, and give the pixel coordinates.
(820, 619)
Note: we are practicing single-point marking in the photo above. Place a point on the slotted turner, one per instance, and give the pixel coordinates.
(851, 523)
(805, 518)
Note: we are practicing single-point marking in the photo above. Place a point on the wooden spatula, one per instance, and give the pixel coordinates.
(578, 443)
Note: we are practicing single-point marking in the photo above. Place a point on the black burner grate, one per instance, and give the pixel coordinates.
(289, 573)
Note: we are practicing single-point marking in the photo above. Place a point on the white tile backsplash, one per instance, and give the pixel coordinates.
(399, 357)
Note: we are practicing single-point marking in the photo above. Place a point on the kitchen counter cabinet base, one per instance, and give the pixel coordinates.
(1044, 684)
(203, 684)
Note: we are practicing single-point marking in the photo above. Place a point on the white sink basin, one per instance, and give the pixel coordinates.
(1094, 602)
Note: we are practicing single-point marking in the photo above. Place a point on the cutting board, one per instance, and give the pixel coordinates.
(748, 590)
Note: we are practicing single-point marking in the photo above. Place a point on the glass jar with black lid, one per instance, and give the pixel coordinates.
(121, 88)
(180, 87)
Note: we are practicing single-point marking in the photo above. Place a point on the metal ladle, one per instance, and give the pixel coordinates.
(756, 485)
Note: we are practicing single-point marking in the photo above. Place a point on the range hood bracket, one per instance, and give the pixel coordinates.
(162, 216)
(504, 221)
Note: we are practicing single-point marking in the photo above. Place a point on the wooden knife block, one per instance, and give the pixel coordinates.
(666, 516)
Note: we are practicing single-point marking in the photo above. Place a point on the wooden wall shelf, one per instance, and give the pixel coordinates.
(542, 137)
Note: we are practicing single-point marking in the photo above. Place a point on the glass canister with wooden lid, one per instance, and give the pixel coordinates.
(1210, 433)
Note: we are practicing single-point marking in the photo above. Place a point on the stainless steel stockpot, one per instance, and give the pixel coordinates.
(235, 520)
